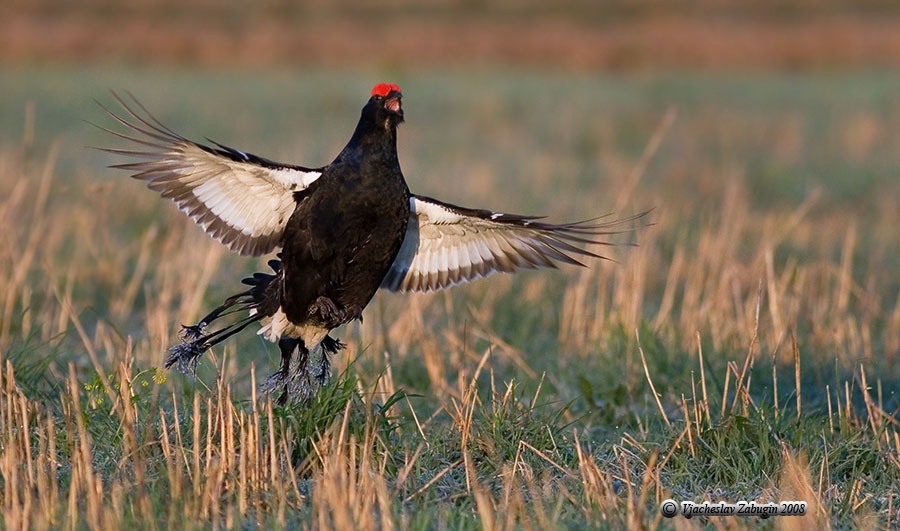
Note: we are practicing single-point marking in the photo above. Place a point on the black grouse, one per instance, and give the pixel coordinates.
(344, 230)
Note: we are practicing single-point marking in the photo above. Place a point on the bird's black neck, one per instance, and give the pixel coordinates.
(373, 138)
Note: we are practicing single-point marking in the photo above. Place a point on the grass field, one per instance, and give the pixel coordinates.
(762, 307)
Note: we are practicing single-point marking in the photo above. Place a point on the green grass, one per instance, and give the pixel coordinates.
(559, 428)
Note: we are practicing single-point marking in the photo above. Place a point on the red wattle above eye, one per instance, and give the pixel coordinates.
(383, 89)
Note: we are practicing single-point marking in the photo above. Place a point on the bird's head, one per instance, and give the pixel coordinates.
(385, 104)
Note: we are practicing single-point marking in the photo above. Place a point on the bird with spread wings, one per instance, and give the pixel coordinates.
(344, 230)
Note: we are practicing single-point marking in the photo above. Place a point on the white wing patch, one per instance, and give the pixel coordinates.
(447, 245)
(241, 200)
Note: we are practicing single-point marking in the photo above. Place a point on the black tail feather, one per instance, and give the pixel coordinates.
(187, 353)
(257, 300)
(186, 356)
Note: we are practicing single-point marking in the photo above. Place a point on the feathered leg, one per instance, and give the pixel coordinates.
(280, 378)
(302, 373)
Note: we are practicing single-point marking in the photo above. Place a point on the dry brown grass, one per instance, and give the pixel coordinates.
(235, 466)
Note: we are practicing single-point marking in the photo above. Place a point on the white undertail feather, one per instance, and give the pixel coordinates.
(278, 326)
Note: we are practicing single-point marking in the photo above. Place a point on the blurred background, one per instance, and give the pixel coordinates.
(578, 34)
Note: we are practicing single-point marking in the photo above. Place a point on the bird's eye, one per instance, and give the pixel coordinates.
(378, 97)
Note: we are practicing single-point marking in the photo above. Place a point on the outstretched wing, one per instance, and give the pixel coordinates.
(242, 200)
(447, 245)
